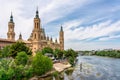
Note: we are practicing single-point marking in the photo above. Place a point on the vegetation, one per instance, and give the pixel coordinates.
(21, 58)
(47, 50)
(41, 64)
(18, 47)
(11, 51)
(17, 64)
(10, 71)
(5, 51)
(58, 53)
(71, 56)
(69, 71)
(111, 53)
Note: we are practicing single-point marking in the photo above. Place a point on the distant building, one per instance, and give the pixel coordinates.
(37, 40)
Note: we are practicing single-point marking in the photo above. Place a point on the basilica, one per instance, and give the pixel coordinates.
(37, 40)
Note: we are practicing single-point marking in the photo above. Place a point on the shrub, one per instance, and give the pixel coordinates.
(47, 50)
(21, 58)
(41, 64)
(18, 47)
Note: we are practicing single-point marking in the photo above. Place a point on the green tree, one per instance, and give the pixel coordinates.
(58, 53)
(5, 51)
(47, 50)
(18, 47)
(10, 71)
(21, 58)
(41, 64)
(70, 52)
(6, 71)
(71, 60)
(71, 55)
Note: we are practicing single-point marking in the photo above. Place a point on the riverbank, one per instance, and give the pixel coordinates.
(61, 66)
(58, 69)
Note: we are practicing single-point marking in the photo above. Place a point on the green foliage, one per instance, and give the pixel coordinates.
(58, 53)
(70, 52)
(10, 71)
(71, 60)
(69, 71)
(0, 54)
(18, 47)
(21, 72)
(55, 74)
(71, 56)
(5, 51)
(21, 58)
(6, 71)
(112, 53)
(41, 64)
(12, 50)
(47, 50)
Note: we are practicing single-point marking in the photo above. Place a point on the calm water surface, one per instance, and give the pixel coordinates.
(95, 68)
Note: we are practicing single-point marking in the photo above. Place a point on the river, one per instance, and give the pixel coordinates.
(95, 68)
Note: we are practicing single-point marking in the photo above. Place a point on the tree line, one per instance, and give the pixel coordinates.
(17, 62)
(109, 53)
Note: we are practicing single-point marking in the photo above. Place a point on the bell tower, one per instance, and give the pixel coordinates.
(11, 33)
(61, 38)
(36, 30)
(36, 33)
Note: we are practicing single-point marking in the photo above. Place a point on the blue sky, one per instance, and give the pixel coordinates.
(88, 24)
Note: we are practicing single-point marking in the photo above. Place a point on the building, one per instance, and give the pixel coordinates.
(37, 40)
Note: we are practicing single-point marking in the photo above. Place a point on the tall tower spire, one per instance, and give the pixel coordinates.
(11, 33)
(61, 38)
(36, 30)
(36, 33)
(11, 17)
(37, 13)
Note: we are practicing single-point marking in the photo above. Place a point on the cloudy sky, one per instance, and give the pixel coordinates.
(88, 24)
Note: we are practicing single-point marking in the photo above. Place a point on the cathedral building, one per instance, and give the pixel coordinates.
(37, 40)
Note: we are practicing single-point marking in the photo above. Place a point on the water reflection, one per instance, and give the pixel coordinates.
(95, 68)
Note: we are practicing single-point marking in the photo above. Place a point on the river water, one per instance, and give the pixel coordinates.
(95, 68)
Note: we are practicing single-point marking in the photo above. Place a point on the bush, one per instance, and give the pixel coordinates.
(18, 47)
(71, 56)
(58, 53)
(41, 64)
(6, 71)
(71, 53)
(21, 58)
(71, 60)
(5, 51)
(47, 50)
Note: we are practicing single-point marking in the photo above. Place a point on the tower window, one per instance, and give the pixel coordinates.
(37, 25)
(35, 36)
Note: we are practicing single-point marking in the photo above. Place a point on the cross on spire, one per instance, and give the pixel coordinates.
(11, 17)
(37, 13)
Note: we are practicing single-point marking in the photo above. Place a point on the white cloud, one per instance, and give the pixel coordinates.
(109, 37)
(90, 32)
(58, 8)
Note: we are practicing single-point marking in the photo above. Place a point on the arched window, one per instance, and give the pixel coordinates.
(37, 25)
(41, 38)
(35, 36)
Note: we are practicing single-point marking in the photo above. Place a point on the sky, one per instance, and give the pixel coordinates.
(87, 24)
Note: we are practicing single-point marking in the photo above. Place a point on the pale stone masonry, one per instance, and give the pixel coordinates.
(37, 40)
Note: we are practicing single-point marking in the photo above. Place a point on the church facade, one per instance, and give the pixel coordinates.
(37, 40)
